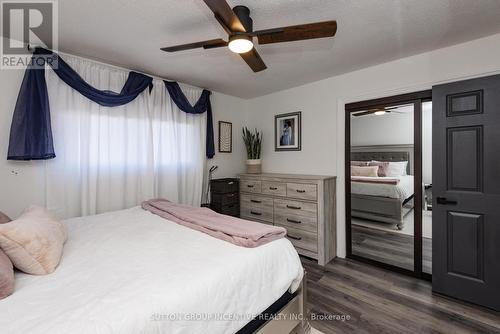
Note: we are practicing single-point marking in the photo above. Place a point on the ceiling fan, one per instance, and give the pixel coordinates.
(377, 111)
(239, 26)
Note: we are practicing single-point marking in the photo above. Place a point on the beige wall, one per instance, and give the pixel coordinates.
(322, 105)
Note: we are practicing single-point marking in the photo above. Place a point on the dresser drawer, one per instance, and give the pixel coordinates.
(224, 186)
(252, 186)
(274, 188)
(256, 207)
(301, 222)
(302, 191)
(290, 208)
(224, 199)
(302, 239)
(228, 209)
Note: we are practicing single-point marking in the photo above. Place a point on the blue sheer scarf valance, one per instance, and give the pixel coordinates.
(31, 134)
(202, 105)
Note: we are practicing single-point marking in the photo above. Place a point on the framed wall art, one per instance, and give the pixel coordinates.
(288, 132)
(225, 137)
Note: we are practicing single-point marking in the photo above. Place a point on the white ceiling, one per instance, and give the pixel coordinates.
(130, 34)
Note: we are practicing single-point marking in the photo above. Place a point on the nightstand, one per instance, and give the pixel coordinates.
(224, 196)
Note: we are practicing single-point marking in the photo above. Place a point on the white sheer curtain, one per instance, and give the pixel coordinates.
(114, 158)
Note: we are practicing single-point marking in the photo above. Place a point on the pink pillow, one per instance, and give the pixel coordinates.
(34, 241)
(6, 268)
(383, 167)
(364, 171)
(6, 276)
(4, 218)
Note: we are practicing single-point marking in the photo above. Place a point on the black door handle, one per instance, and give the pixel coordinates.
(445, 201)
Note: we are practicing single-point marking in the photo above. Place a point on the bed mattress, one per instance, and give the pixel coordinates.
(402, 191)
(133, 272)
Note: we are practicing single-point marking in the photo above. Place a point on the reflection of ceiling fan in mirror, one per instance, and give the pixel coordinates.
(378, 111)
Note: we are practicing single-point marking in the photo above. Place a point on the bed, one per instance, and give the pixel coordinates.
(134, 272)
(386, 203)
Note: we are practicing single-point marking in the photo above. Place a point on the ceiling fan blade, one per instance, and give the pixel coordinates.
(225, 15)
(221, 44)
(213, 43)
(297, 33)
(386, 109)
(363, 113)
(253, 59)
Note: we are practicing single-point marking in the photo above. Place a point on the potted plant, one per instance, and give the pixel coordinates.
(253, 144)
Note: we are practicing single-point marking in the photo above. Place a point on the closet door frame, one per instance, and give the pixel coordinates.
(416, 99)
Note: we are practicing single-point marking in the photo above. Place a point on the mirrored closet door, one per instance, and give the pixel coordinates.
(386, 197)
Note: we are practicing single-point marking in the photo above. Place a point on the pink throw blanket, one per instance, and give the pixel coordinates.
(378, 180)
(237, 231)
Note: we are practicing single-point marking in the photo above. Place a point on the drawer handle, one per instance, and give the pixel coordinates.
(273, 188)
(250, 185)
(293, 237)
(255, 201)
(230, 195)
(230, 183)
(293, 207)
(256, 213)
(293, 221)
(301, 191)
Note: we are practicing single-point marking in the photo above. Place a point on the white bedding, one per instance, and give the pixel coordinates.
(403, 190)
(131, 271)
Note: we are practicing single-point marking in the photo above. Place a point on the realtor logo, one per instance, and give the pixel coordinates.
(26, 23)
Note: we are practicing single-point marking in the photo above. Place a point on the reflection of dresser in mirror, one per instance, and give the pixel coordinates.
(303, 204)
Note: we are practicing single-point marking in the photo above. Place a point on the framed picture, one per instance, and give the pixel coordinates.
(225, 137)
(288, 132)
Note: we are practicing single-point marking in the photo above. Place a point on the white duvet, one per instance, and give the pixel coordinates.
(133, 272)
(402, 191)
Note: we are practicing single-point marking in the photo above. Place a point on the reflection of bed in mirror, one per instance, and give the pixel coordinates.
(382, 201)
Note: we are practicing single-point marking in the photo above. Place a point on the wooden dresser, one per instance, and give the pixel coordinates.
(303, 204)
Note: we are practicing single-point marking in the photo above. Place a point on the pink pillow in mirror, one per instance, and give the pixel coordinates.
(370, 171)
(383, 167)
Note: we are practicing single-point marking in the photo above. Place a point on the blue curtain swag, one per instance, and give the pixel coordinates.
(31, 133)
(202, 105)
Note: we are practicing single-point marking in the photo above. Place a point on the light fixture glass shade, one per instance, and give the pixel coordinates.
(380, 112)
(240, 44)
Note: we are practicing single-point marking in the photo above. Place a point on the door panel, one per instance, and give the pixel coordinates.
(466, 190)
(465, 158)
(465, 245)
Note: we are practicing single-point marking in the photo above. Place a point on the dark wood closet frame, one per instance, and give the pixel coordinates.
(416, 99)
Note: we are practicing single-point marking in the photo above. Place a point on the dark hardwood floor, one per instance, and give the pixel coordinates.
(380, 301)
(389, 247)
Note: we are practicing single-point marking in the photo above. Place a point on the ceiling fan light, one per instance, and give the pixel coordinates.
(379, 112)
(240, 44)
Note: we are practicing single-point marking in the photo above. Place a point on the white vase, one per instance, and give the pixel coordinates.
(254, 166)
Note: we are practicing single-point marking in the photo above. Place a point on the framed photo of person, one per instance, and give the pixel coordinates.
(288, 132)
(225, 137)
